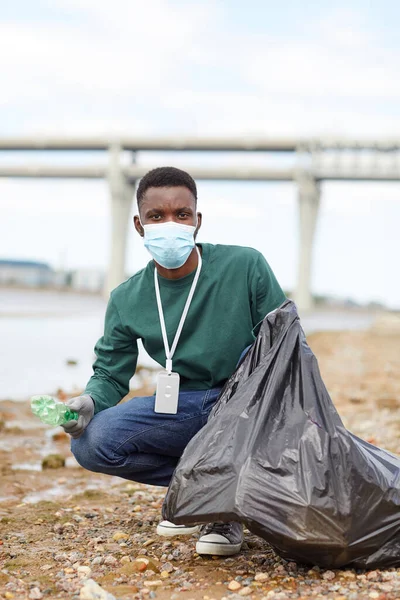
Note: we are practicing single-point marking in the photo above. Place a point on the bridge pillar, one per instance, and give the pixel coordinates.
(122, 192)
(309, 202)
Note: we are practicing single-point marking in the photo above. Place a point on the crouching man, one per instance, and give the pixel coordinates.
(194, 307)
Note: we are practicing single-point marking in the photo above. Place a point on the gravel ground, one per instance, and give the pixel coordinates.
(67, 533)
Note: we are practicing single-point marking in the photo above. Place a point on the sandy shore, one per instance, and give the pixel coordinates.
(60, 526)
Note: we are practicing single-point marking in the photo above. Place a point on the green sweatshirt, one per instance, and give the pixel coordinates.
(235, 291)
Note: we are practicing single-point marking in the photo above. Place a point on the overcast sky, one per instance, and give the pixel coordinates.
(221, 67)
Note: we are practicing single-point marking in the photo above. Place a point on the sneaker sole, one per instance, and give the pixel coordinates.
(174, 531)
(217, 549)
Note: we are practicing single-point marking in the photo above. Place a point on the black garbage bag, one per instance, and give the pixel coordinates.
(276, 456)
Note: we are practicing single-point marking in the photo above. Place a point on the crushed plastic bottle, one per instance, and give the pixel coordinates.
(51, 411)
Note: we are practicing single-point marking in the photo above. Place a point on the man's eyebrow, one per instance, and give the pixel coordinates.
(187, 208)
(154, 209)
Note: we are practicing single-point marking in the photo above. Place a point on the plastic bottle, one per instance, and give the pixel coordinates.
(51, 411)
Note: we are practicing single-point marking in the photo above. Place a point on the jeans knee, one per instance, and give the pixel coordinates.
(90, 450)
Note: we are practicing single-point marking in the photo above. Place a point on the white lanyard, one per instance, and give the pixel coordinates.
(170, 353)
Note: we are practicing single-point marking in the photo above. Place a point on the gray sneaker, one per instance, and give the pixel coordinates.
(220, 539)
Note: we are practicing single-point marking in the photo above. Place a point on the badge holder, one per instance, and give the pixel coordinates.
(167, 393)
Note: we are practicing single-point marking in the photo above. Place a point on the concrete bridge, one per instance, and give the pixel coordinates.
(314, 160)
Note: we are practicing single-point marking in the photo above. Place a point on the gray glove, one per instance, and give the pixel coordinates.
(83, 405)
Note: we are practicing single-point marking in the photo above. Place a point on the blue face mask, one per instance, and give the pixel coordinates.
(170, 244)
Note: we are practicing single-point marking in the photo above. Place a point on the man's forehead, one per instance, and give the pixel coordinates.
(177, 197)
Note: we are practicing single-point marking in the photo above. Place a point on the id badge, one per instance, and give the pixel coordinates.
(167, 393)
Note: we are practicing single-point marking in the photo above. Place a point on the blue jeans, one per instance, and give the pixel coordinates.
(131, 441)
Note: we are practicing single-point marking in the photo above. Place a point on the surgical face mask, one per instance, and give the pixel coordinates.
(170, 244)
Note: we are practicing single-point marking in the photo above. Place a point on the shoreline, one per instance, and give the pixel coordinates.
(58, 525)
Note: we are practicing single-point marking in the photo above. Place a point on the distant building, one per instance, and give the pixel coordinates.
(25, 272)
(86, 280)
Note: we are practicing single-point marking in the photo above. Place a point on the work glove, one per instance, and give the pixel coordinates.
(83, 405)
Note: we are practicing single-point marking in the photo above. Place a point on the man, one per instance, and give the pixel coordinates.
(194, 308)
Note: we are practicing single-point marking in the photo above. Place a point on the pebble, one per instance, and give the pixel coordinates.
(92, 591)
(110, 560)
(84, 571)
(148, 542)
(168, 567)
(120, 535)
(78, 518)
(35, 594)
(125, 559)
(246, 591)
(328, 575)
(153, 583)
(348, 574)
(233, 586)
(98, 560)
(261, 577)
(373, 576)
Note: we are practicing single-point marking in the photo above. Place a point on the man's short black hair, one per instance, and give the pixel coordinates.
(165, 177)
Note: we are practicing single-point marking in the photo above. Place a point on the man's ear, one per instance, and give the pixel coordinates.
(199, 221)
(138, 225)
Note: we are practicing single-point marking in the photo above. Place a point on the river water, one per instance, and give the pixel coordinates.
(40, 331)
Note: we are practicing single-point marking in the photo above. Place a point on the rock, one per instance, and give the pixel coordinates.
(77, 518)
(246, 591)
(348, 574)
(233, 586)
(373, 576)
(153, 583)
(92, 591)
(164, 574)
(84, 571)
(139, 565)
(53, 461)
(35, 594)
(148, 542)
(261, 577)
(328, 575)
(98, 560)
(151, 563)
(110, 560)
(168, 567)
(125, 559)
(58, 529)
(120, 535)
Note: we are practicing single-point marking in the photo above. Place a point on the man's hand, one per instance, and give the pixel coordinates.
(83, 405)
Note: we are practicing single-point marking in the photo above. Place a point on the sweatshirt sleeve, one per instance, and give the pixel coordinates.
(115, 364)
(266, 293)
